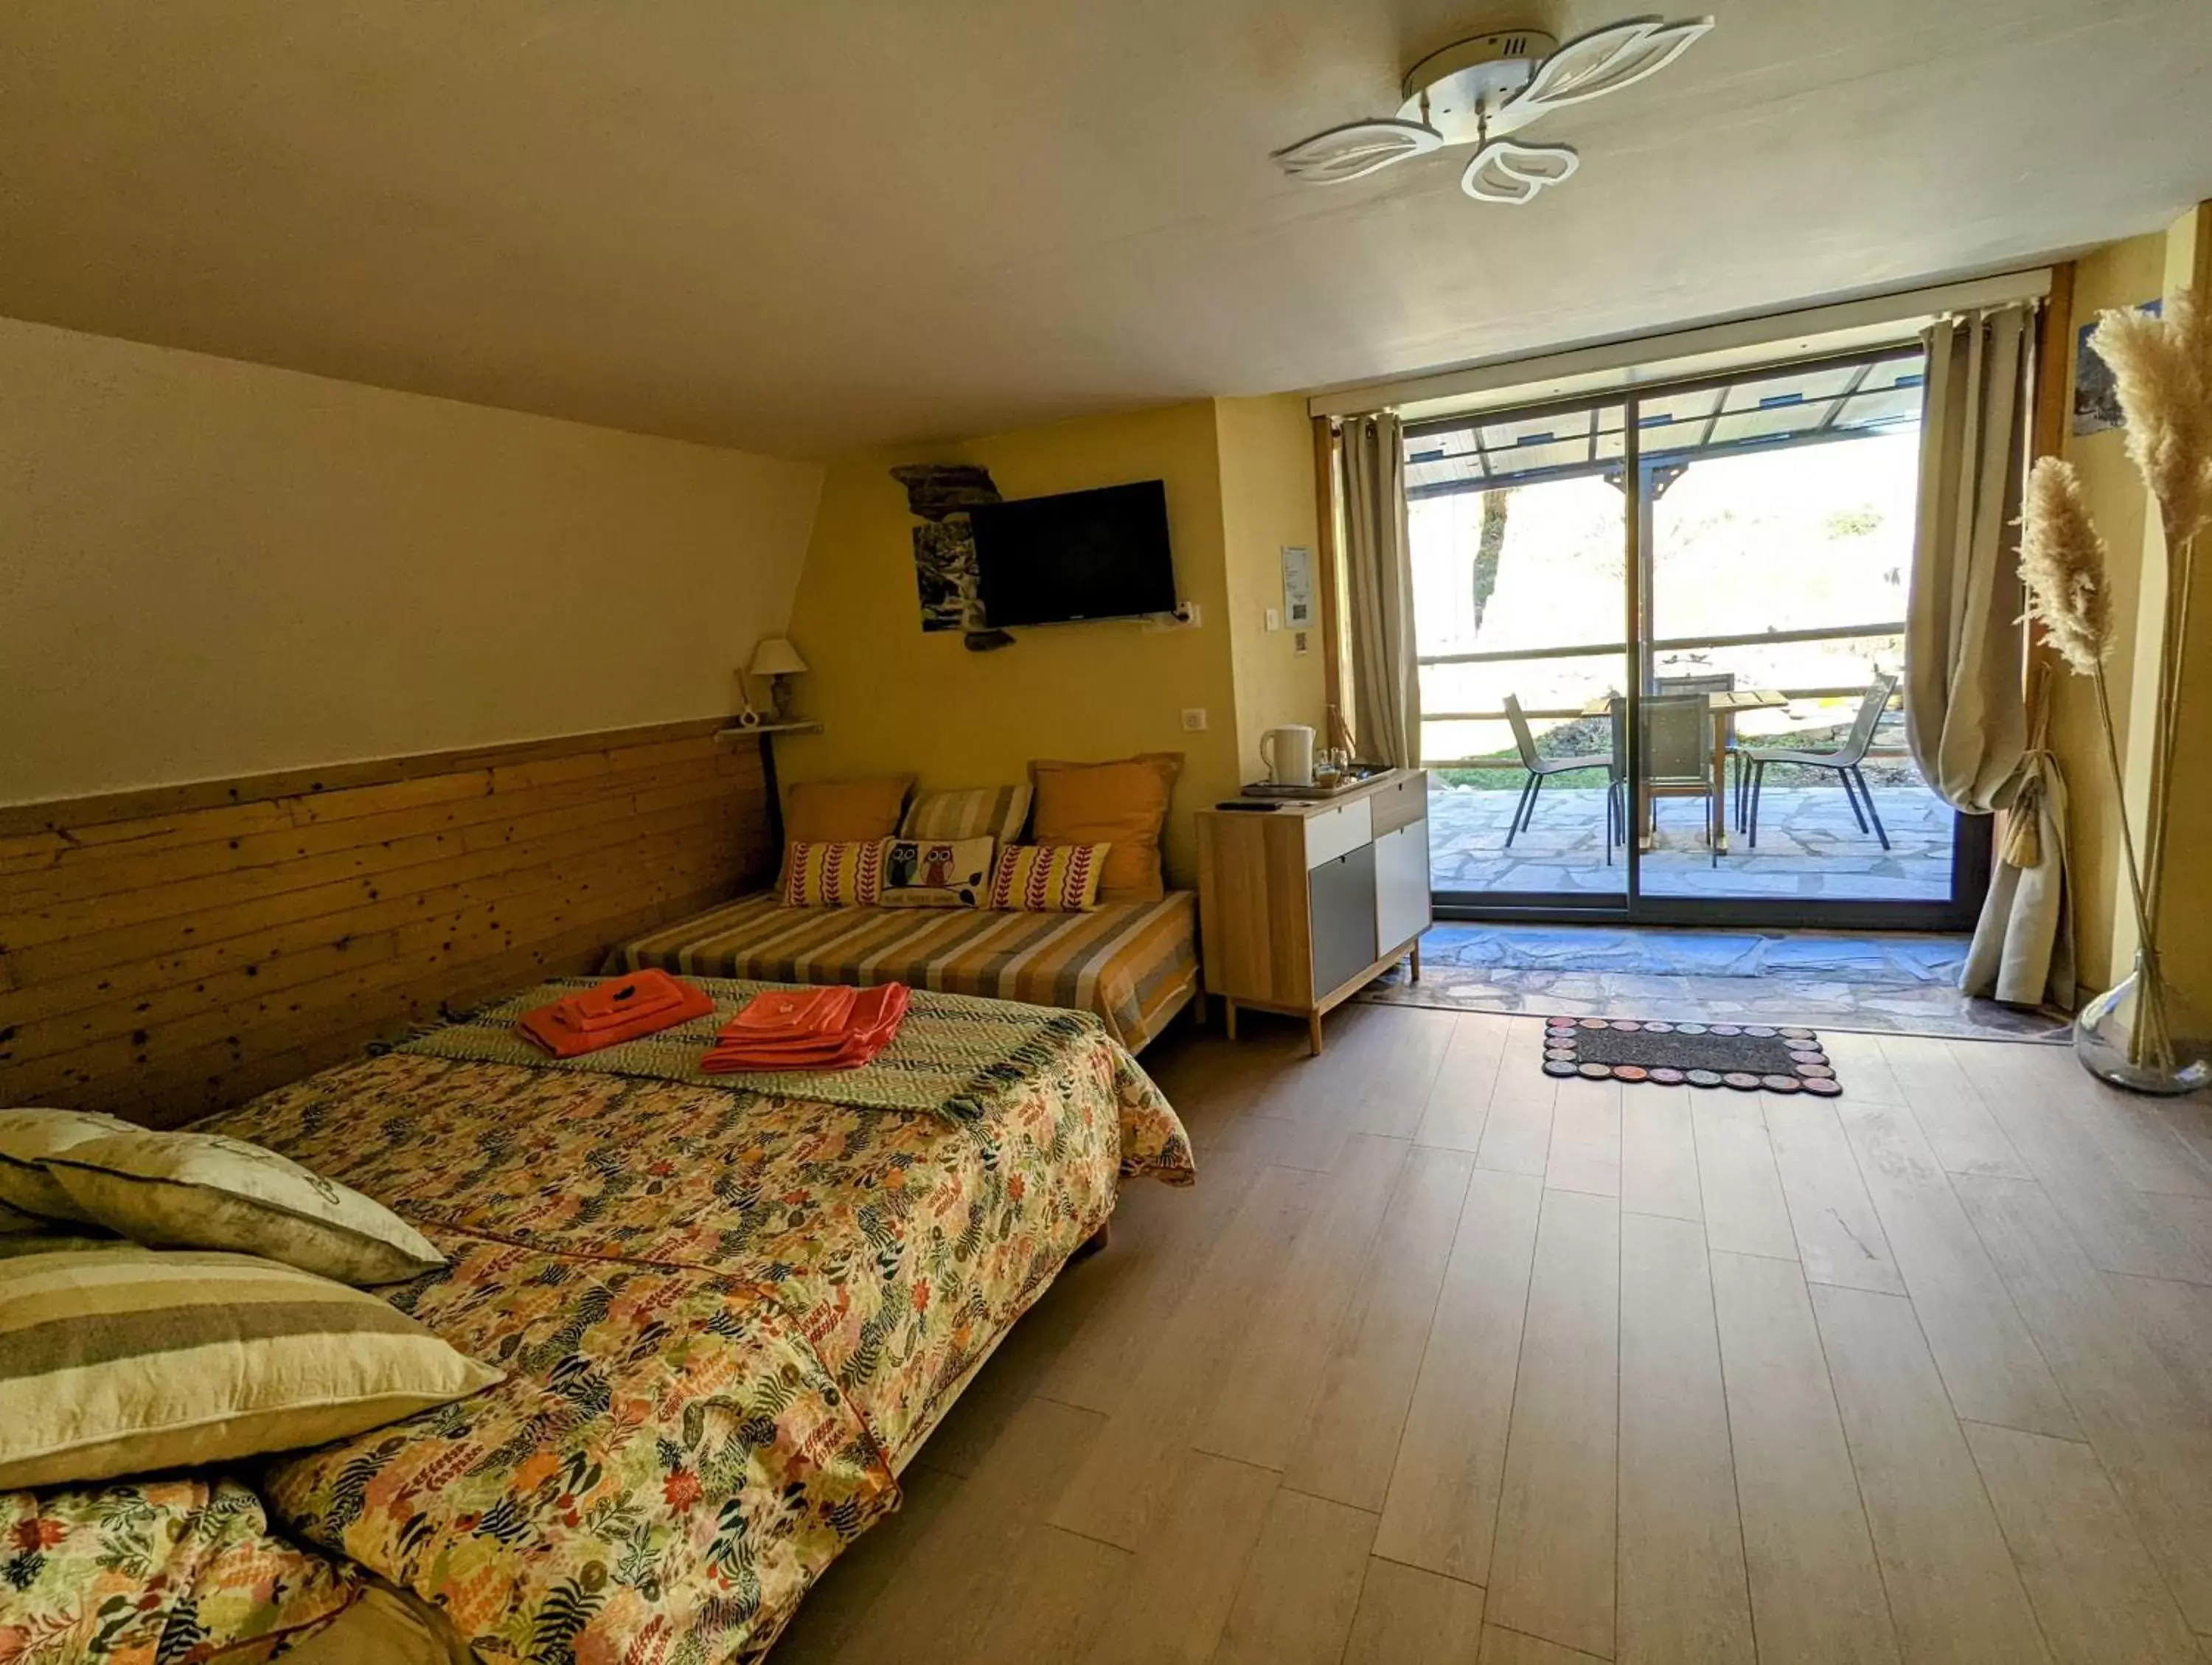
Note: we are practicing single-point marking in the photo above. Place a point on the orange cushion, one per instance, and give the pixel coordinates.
(844, 811)
(1123, 803)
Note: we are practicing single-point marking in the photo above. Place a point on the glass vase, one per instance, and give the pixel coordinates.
(2142, 1035)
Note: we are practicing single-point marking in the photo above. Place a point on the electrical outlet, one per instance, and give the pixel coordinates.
(1275, 618)
(1194, 719)
(1299, 644)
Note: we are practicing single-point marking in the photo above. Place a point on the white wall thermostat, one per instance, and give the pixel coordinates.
(1298, 586)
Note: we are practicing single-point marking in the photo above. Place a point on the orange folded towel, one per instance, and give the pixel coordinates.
(621, 1009)
(796, 1011)
(788, 1030)
(617, 1002)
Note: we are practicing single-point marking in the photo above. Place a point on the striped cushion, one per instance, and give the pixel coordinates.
(833, 875)
(121, 1360)
(999, 812)
(202, 1191)
(1059, 879)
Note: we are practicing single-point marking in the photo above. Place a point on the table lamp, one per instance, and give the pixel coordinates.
(776, 659)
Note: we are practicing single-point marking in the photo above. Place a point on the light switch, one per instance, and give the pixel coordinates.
(1275, 618)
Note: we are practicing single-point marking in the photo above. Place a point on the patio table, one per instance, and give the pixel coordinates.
(1724, 705)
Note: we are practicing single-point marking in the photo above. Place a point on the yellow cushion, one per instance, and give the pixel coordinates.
(121, 1360)
(203, 1191)
(1063, 878)
(28, 1138)
(843, 811)
(1123, 803)
(850, 875)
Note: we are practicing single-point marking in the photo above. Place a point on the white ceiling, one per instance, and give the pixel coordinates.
(802, 225)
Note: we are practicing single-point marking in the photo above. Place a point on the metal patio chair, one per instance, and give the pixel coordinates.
(1846, 760)
(1678, 755)
(1718, 682)
(1541, 770)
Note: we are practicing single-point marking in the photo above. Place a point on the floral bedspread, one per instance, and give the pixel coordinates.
(726, 1318)
(155, 1572)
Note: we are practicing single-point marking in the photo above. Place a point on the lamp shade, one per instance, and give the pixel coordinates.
(775, 657)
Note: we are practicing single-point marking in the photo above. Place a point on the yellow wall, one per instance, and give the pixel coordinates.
(2121, 274)
(894, 699)
(1267, 502)
(2184, 891)
(214, 568)
(2126, 274)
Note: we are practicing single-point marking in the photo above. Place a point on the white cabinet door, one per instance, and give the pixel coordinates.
(1401, 885)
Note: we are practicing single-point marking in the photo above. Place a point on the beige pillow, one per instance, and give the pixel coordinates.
(13, 1221)
(28, 1138)
(122, 1360)
(203, 1191)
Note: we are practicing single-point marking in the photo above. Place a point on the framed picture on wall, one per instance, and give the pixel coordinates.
(2096, 395)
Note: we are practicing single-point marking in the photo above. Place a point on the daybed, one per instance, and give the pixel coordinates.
(1133, 963)
(729, 1313)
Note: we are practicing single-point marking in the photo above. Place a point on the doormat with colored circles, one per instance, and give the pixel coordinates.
(1748, 1057)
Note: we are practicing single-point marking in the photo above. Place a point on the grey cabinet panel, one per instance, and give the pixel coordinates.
(1341, 894)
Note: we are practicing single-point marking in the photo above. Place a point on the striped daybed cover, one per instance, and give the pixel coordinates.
(1134, 963)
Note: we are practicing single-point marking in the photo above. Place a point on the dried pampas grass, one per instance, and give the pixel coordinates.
(2062, 560)
(2163, 370)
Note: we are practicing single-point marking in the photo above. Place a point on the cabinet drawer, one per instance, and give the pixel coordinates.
(1402, 801)
(1341, 895)
(1331, 832)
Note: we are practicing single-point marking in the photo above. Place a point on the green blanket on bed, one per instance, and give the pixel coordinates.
(955, 1056)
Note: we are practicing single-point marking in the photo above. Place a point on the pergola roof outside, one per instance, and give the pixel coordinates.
(1854, 399)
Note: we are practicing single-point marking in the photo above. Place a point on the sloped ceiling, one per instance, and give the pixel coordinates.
(797, 227)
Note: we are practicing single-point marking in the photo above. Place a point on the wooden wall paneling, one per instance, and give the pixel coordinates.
(171, 952)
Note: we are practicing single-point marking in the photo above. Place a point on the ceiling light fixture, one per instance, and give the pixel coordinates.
(1476, 91)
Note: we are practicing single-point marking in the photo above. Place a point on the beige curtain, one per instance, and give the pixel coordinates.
(2023, 948)
(1378, 559)
(1965, 720)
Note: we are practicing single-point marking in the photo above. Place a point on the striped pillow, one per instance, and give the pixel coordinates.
(1055, 878)
(124, 1360)
(849, 875)
(999, 812)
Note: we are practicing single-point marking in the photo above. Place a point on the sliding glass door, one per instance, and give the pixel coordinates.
(1660, 641)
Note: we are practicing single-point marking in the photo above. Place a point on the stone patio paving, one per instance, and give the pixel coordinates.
(1808, 845)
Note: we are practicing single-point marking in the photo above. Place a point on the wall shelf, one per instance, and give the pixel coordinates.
(737, 730)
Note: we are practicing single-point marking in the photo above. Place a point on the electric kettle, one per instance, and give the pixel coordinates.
(1288, 754)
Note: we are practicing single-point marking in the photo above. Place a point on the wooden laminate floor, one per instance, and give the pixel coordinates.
(1445, 1361)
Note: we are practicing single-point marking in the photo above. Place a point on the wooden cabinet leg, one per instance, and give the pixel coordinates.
(1313, 1034)
(1416, 976)
(1198, 1007)
(1229, 1017)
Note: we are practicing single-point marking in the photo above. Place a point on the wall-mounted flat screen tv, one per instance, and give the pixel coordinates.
(1100, 554)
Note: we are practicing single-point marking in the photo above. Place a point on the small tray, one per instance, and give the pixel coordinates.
(1303, 794)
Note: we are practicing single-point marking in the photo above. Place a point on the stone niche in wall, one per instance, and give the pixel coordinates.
(940, 494)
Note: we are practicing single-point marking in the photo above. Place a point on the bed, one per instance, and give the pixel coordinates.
(729, 1316)
(1133, 963)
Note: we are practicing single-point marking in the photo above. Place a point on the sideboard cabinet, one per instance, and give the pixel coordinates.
(1301, 905)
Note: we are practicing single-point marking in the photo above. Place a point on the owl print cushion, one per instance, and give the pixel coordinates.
(937, 873)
